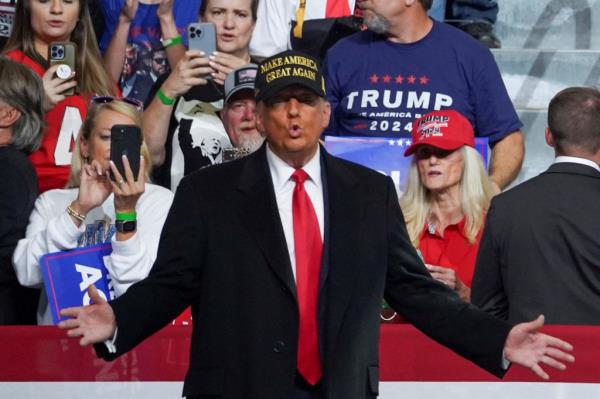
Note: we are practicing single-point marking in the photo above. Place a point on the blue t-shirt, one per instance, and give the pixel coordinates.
(145, 57)
(378, 88)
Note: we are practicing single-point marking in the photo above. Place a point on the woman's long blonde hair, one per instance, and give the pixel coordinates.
(476, 192)
(91, 76)
(77, 161)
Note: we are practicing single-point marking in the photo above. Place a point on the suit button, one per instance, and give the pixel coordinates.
(278, 346)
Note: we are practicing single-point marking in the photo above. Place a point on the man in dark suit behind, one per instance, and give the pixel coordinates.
(540, 250)
(278, 313)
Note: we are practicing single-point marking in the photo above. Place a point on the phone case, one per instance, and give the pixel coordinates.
(63, 53)
(125, 140)
(202, 36)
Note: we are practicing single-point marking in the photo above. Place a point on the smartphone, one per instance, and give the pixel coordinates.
(202, 36)
(63, 53)
(125, 140)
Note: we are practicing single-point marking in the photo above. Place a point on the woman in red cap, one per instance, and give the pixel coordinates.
(447, 196)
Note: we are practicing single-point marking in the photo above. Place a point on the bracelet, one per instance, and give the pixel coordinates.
(126, 216)
(166, 100)
(171, 42)
(75, 214)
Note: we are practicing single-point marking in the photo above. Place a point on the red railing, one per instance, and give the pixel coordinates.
(46, 354)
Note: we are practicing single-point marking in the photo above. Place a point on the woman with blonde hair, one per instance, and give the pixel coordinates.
(37, 24)
(128, 212)
(447, 196)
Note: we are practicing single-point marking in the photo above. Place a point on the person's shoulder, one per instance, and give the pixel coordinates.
(15, 55)
(56, 200)
(451, 36)
(219, 177)
(17, 160)
(16, 167)
(353, 43)
(154, 190)
(19, 56)
(527, 190)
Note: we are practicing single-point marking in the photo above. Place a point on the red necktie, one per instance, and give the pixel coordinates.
(308, 247)
(337, 8)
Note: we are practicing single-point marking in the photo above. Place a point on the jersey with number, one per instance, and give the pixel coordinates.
(378, 88)
(53, 160)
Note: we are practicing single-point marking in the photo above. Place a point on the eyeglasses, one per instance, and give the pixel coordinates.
(137, 104)
(160, 60)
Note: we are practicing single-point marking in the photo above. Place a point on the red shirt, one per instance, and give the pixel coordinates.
(53, 159)
(453, 250)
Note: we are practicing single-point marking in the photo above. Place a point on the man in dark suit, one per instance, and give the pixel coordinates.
(278, 312)
(540, 250)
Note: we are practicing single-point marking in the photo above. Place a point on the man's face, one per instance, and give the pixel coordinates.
(211, 145)
(159, 62)
(293, 121)
(130, 61)
(239, 120)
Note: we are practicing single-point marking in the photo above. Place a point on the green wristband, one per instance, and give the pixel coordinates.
(166, 100)
(171, 42)
(126, 216)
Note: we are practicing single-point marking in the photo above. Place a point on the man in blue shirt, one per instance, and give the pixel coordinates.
(380, 80)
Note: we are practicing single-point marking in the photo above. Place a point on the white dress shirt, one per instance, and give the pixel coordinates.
(281, 174)
(581, 161)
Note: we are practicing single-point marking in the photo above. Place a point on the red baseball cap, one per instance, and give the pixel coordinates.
(446, 129)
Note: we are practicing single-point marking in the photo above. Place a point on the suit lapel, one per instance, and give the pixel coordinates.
(343, 228)
(258, 210)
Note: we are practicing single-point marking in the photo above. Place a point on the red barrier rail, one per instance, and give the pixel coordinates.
(45, 354)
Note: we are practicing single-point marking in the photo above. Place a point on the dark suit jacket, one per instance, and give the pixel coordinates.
(223, 250)
(540, 249)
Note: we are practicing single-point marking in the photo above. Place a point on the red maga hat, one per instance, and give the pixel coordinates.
(446, 129)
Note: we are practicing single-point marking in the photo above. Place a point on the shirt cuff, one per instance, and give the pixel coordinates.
(505, 361)
(71, 231)
(110, 343)
(129, 247)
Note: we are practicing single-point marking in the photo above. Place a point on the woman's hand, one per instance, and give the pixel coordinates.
(187, 73)
(223, 64)
(55, 86)
(129, 10)
(127, 189)
(94, 188)
(448, 276)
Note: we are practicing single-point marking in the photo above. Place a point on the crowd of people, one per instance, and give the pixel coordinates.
(281, 226)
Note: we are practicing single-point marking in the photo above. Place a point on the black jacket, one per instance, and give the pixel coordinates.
(540, 249)
(223, 250)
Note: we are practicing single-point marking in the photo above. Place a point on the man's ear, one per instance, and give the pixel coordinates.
(8, 116)
(326, 114)
(549, 137)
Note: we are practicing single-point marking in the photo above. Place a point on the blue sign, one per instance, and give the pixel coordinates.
(67, 274)
(384, 154)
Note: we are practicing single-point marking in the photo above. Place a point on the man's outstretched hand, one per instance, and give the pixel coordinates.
(93, 323)
(528, 347)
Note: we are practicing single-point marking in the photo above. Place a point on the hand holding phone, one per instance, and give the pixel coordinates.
(202, 36)
(62, 55)
(125, 140)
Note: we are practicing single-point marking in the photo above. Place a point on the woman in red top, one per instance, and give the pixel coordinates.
(447, 196)
(38, 23)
